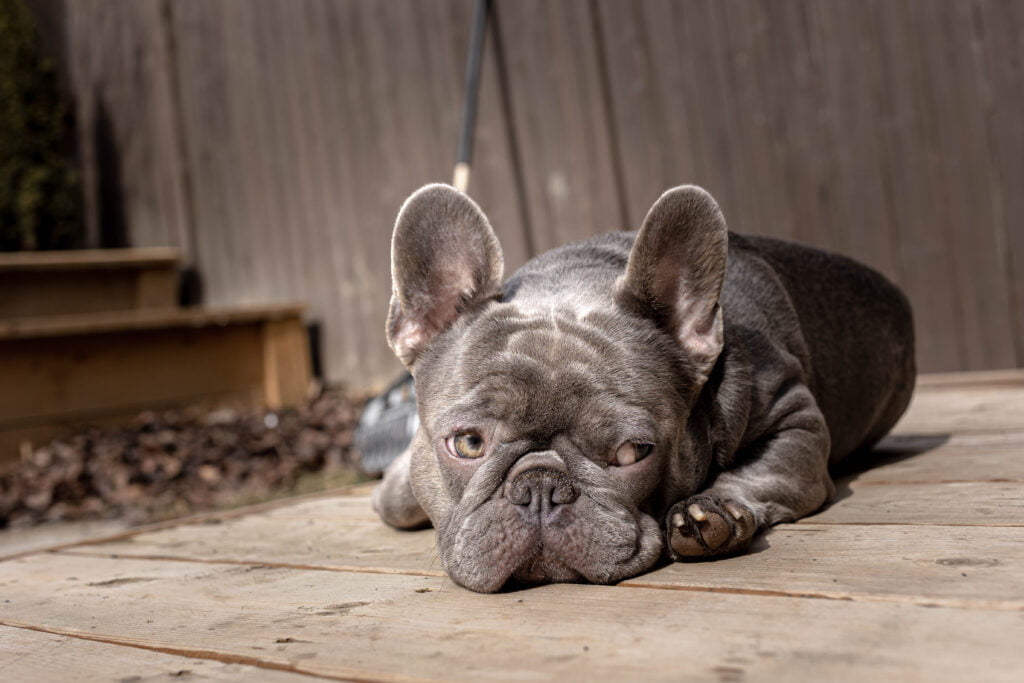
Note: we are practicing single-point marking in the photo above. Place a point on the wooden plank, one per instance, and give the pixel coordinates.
(27, 655)
(851, 65)
(999, 71)
(558, 105)
(157, 288)
(90, 259)
(964, 178)
(87, 281)
(109, 374)
(964, 410)
(28, 294)
(390, 626)
(900, 94)
(823, 560)
(159, 319)
(366, 110)
(105, 367)
(674, 109)
(286, 364)
(343, 534)
(885, 129)
(25, 540)
(926, 565)
(116, 65)
(208, 517)
(978, 456)
(954, 380)
(955, 503)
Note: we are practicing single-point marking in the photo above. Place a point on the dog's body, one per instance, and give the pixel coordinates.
(673, 391)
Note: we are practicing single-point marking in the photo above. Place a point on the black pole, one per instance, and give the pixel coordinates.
(476, 50)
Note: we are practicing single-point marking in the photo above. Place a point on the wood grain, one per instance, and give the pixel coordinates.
(90, 259)
(976, 456)
(340, 534)
(912, 573)
(399, 627)
(955, 503)
(39, 656)
(274, 142)
(962, 411)
(922, 565)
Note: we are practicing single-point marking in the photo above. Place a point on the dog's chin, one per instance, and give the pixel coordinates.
(495, 549)
(536, 570)
(544, 569)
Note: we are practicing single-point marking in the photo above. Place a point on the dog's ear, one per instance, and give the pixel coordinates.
(445, 260)
(676, 270)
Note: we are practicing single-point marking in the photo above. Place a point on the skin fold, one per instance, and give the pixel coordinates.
(665, 393)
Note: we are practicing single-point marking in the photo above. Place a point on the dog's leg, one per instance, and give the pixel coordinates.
(781, 477)
(394, 500)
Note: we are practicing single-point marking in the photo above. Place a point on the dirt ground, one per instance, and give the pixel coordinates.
(173, 463)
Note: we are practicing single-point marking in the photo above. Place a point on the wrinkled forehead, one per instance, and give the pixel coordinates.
(548, 368)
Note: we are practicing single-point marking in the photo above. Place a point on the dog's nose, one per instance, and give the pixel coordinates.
(540, 479)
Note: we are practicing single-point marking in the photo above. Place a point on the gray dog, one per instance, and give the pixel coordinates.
(668, 392)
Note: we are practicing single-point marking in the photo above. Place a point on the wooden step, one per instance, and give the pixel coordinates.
(66, 370)
(47, 283)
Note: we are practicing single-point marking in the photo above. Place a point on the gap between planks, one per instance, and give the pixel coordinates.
(31, 654)
(250, 563)
(212, 516)
(637, 582)
(554, 622)
(193, 653)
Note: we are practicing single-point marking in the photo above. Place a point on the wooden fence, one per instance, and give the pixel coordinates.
(274, 140)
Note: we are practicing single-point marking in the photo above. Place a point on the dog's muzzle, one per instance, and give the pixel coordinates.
(540, 483)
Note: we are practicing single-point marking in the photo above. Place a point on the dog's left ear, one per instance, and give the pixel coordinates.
(445, 261)
(676, 270)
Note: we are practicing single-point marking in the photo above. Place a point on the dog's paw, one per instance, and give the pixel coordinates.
(704, 526)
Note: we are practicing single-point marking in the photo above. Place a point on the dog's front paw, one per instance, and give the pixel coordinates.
(705, 526)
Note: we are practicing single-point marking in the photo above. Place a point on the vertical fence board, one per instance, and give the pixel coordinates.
(889, 130)
(557, 106)
(998, 48)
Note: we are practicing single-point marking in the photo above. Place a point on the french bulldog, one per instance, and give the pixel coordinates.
(667, 393)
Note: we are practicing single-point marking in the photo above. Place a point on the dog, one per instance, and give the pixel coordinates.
(667, 393)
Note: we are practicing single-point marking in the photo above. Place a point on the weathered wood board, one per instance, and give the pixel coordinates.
(40, 656)
(383, 626)
(87, 281)
(915, 572)
(64, 370)
(273, 142)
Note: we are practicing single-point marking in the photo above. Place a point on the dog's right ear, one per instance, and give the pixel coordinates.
(676, 271)
(445, 260)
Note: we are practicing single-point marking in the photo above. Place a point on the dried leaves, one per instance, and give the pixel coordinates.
(175, 462)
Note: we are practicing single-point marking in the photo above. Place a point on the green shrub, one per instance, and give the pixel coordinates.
(39, 197)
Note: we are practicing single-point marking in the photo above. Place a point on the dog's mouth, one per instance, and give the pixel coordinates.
(497, 546)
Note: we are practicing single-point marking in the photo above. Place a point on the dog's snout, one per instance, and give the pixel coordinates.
(541, 480)
(542, 486)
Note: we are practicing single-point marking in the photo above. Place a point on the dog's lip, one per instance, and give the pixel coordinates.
(602, 575)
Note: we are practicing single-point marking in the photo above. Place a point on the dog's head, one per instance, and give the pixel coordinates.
(557, 413)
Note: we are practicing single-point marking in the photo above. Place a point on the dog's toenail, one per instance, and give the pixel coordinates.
(735, 511)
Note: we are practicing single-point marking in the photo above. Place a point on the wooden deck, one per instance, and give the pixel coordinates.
(916, 572)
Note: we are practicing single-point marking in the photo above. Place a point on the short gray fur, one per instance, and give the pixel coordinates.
(749, 364)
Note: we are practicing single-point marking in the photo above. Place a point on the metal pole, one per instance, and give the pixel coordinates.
(460, 177)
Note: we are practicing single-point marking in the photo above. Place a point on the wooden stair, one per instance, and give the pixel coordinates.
(39, 283)
(96, 336)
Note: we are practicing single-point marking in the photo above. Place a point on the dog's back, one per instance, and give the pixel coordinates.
(859, 334)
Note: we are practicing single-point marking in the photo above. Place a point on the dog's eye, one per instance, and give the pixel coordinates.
(630, 453)
(465, 445)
